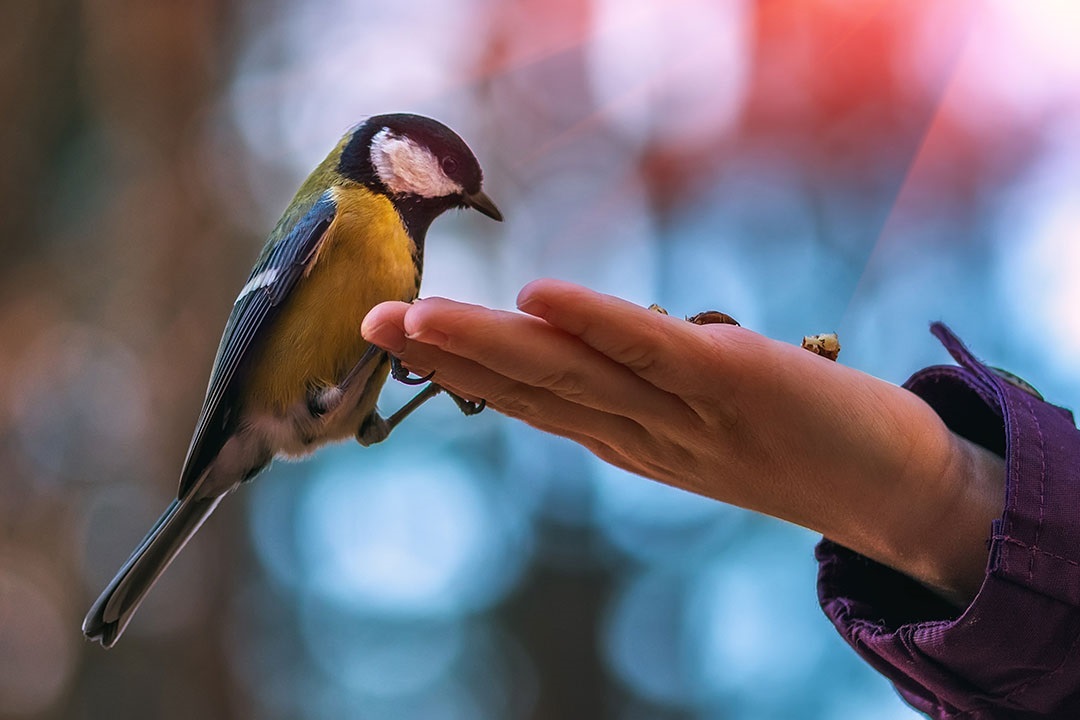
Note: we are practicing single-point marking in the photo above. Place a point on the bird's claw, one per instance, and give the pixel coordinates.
(467, 407)
(400, 373)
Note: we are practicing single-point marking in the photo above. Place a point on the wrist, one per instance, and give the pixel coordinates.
(952, 500)
(923, 505)
(955, 549)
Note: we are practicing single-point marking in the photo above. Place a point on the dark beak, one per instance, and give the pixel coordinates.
(481, 202)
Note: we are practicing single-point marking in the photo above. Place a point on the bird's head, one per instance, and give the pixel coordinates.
(421, 165)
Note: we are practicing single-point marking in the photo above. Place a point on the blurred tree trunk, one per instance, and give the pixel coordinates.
(38, 51)
(109, 217)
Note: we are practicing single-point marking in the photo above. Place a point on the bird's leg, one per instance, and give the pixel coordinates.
(324, 400)
(376, 428)
(399, 373)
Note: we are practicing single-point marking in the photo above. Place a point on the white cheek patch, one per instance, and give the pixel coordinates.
(407, 168)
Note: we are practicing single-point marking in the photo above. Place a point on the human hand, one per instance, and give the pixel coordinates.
(724, 412)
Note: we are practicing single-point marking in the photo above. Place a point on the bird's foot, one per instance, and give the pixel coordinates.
(373, 430)
(467, 407)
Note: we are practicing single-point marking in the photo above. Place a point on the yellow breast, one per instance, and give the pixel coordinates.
(365, 257)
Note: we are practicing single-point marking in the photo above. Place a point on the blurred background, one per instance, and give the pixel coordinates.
(806, 166)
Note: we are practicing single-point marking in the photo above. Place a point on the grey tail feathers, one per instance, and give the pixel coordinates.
(112, 611)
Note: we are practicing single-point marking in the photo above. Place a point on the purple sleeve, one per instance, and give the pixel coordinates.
(1014, 652)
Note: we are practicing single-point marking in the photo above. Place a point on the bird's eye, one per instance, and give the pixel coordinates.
(449, 165)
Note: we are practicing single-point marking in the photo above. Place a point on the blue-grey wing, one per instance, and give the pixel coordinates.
(275, 274)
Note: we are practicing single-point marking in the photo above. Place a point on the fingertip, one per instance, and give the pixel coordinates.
(533, 306)
(531, 288)
(536, 297)
(417, 312)
(419, 318)
(385, 336)
(383, 326)
(385, 312)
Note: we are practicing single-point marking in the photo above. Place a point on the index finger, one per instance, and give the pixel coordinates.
(657, 347)
(532, 352)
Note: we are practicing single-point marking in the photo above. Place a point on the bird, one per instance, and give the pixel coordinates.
(292, 371)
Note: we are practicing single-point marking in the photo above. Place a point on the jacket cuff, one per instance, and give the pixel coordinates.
(1014, 652)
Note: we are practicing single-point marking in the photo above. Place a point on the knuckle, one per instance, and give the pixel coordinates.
(568, 383)
(639, 358)
(512, 405)
(713, 415)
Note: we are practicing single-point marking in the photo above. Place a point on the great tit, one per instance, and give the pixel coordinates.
(292, 371)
